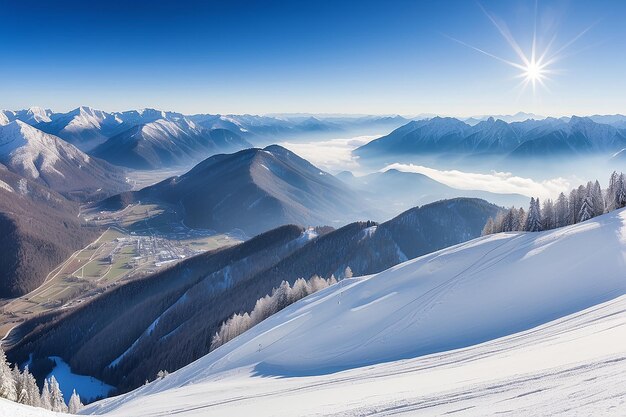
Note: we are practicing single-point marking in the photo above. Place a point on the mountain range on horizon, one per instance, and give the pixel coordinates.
(153, 139)
(295, 221)
(549, 137)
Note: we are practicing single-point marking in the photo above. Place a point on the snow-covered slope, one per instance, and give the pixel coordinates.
(12, 409)
(32, 115)
(87, 125)
(36, 155)
(549, 309)
(83, 127)
(166, 142)
(4, 120)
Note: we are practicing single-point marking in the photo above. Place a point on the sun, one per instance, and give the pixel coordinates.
(534, 72)
(535, 63)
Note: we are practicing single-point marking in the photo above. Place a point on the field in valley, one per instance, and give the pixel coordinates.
(136, 241)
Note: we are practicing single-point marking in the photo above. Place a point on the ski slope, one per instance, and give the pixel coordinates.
(533, 323)
(515, 323)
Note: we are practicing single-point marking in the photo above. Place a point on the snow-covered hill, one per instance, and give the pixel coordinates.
(10, 408)
(4, 120)
(84, 127)
(166, 142)
(32, 115)
(522, 323)
(45, 158)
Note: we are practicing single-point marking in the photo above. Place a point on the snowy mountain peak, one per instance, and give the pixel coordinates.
(149, 113)
(33, 153)
(86, 110)
(38, 114)
(11, 136)
(580, 120)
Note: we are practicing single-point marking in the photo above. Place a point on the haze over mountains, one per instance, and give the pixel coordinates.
(154, 138)
(573, 136)
(253, 190)
(398, 190)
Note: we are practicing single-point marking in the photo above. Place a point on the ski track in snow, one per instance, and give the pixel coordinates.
(573, 366)
(511, 324)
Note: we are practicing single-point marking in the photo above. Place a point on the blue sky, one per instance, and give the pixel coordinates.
(385, 57)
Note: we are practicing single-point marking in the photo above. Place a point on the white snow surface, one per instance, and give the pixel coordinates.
(158, 130)
(6, 187)
(516, 323)
(12, 409)
(31, 151)
(87, 119)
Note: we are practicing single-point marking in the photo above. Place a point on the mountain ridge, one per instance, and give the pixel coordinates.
(529, 138)
(45, 158)
(253, 190)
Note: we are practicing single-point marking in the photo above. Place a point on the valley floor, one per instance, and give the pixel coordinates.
(574, 366)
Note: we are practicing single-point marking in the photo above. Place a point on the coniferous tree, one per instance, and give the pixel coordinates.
(7, 382)
(75, 405)
(298, 291)
(30, 383)
(45, 400)
(620, 193)
(586, 210)
(348, 272)
(549, 217)
(597, 199)
(281, 296)
(561, 209)
(21, 385)
(611, 192)
(489, 227)
(508, 221)
(56, 396)
(583, 203)
(268, 305)
(521, 220)
(533, 220)
(574, 206)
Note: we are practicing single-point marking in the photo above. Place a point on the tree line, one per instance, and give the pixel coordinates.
(21, 387)
(281, 297)
(583, 203)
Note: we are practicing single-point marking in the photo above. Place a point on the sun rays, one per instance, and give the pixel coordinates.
(536, 63)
